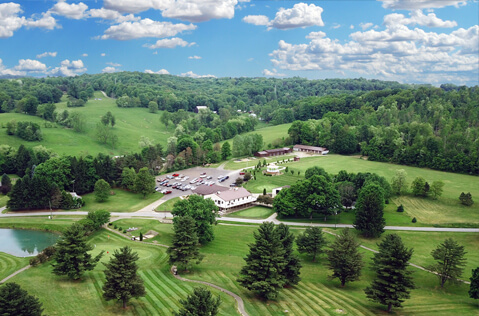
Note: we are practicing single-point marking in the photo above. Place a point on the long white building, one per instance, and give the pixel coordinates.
(232, 199)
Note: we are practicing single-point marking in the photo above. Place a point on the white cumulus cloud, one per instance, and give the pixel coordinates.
(107, 14)
(159, 72)
(109, 70)
(84, 55)
(417, 17)
(69, 68)
(169, 43)
(47, 54)
(191, 74)
(10, 21)
(72, 11)
(273, 73)
(187, 10)
(300, 15)
(113, 64)
(30, 65)
(194, 57)
(365, 26)
(145, 28)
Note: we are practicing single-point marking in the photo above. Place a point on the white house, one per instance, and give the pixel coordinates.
(232, 199)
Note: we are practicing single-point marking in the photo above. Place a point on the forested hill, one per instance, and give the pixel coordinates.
(173, 93)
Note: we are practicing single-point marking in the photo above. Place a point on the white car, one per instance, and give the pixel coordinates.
(219, 177)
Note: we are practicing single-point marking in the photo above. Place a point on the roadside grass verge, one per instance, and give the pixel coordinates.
(57, 224)
(122, 201)
(168, 205)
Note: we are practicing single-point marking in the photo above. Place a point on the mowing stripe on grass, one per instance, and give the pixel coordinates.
(311, 300)
(98, 284)
(306, 306)
(344, 300)
(431, 308)
(155, 292)
(169, 293)
(315, 299)
(177, 287)
(150, 303)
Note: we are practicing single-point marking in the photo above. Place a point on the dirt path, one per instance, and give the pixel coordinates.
(238, 299)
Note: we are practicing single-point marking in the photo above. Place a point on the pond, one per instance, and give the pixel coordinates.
(24, 243)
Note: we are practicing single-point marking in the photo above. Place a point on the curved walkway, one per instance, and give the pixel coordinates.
(238, 299)
(15, 273)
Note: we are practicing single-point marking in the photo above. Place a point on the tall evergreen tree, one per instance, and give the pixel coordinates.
(450, 261)
(185, 245)
(6, 184)
(72, 257)
(122, 280)
(344, 258)
(199, 303)
(291, 270)
(225, 150)
(393, 282)
(15, 301)
(263, 272)
(311, 242)
(369, 211)
(474, 288)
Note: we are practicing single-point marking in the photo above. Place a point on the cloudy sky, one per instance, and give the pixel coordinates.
(411, 41)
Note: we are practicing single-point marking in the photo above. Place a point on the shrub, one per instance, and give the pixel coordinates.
(42, 257)
(109, 224)
(115, 227)
(120, 228)
(124, 231)
(141, 236)
(400, 208)
(414, 220)
(34, 261)
(49, 251)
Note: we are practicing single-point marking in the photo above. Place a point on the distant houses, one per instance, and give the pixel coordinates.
(199, 108)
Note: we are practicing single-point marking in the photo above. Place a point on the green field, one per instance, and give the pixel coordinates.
(235, 164)
(122, 201)
(61, 296)
(131, 125)
(57, 223)
(255, 212)
(3, 200)
(446, 211)
(168, 205)
(269, 133)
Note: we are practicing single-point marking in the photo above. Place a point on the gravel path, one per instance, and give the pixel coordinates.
(15, 273)
(238, 299)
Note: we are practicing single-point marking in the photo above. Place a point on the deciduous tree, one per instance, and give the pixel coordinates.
(102, 190)
(344, 258)
(393, 282)
(144, 182)
(369, 211)
(450, 261)
(398, 183)
(436, 189)
(122, 280)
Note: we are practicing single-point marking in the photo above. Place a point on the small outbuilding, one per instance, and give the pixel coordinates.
(311, 149)
(273, 152)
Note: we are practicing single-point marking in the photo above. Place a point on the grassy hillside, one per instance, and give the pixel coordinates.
(269, 133)
(131, 125)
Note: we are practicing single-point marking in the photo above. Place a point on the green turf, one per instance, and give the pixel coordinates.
(164, 231)
(256, 212)
(58, 223)
(131, 125)
(3, 200)
(61, 296)
(122, 201)
(9, 264)
(168, 205)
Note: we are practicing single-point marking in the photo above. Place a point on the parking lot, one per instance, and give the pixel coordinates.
(195, 173)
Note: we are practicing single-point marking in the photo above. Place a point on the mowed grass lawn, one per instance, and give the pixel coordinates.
(56, 224)
(233, 164)
(316, 294)
(447, 210)
(60, 296)
(255, 212)
(131, 125)
(122, 201)
(10, 264)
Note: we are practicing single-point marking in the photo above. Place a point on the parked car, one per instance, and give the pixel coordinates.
(209, 177)
(175, 174)
(219, 177)
(242, 173)
(168, 192)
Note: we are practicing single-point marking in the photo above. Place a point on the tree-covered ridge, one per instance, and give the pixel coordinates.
(426, 127)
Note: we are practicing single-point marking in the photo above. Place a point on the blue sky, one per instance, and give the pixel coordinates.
(410, 41)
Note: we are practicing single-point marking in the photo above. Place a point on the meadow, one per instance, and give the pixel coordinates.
(446, 211)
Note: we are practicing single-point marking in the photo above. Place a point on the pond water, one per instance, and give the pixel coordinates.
(24, 243)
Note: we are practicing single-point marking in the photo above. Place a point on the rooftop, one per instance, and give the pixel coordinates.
(233, 194)
(206, 189)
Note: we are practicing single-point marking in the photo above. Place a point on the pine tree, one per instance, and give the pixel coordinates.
(450, 261)
(185, 244)
(393, 282)
(16, 301)
(474, 288)
(369, 211)
(291, 270)
(6, 184)
(200, 303)
(311, 242)
(225, 150)
(71, 257)
(263, 272)
(344, 258)
(122, 280)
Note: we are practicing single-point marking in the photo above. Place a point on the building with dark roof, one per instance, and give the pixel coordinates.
(207, 190)
(273, 152)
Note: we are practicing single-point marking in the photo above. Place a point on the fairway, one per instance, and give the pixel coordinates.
(256, 212)
(10, 264)
(61, 296)
(122, 201)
